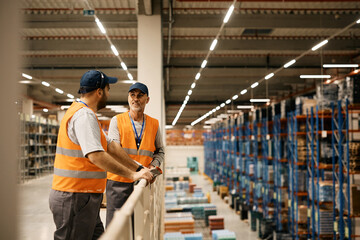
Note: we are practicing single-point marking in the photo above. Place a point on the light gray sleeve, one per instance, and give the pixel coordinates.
(114, 131)
(159, 153)
(83, 129)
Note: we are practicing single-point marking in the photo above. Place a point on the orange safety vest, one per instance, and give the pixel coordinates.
(72, 171)
(146, 150)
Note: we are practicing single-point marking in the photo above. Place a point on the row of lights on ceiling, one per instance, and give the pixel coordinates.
(270, 75)
(114, 50)
(203, 64)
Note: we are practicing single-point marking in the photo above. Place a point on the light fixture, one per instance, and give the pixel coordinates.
(187, 98)
(45, 109)
(289, 63)
(315, 76)
(244, 107)
(328, 81)
(123, 65)
(259, 100)
(70, 96)
(58, 90)
(243, 92)
(217, 108)
(168, 126)
(228, 101)
(213, 44)
(316, 47)
(340, 65)
(46, 84)
(78, 99)
(197, 76)
(189, 92)
(235, 97)
(63, 107)
(26, 76)
(115, 51)
(25, 81)
(129, 81)
(358, 21)
(254, 85)
(193, 85)
(222, 105)
(228, 14)
(206, 126)
(203, 65)
(234, 111)
(102, 29)
(270, 75)
(70, 100)
(130, 76)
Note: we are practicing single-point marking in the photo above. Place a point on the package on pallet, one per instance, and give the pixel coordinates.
(283, 109)
(301, 181)
(223, 234)
(270, 174)
(325, 191)
(302, 213)
(349, 89)
(324, 224)
(355, 225)
(354, 199)
(326, 94)
(307, 104)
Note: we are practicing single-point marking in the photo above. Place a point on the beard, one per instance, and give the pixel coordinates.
(102, 103)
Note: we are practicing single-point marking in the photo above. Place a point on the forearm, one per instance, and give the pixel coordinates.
(158, 157)
(108, 163)
(118, 153)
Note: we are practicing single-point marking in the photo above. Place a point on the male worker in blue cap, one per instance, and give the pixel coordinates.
(83, 155)
(139, 135)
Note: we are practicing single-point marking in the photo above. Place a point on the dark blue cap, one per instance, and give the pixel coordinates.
(93, 80)
(142, 87)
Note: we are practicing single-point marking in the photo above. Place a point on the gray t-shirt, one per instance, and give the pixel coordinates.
(83, 129)
(159, 153)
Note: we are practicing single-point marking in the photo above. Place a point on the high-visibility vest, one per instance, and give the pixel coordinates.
(72, 171)
(147, 147)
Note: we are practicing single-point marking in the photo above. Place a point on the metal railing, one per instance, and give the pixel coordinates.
(146, 204)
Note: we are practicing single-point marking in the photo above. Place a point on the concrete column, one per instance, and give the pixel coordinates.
(150, 65)
(28, 106)
(9, 65)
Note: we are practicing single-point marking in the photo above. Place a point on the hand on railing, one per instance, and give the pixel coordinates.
(144, 174)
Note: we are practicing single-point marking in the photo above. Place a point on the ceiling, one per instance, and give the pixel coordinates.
(60, 44)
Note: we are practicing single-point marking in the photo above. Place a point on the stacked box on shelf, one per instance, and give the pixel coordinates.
(209, 211)
(216, 222)
(183, 236)
(223, 235)
(179, 224)
(325, 224)
(354, 159)
(192, 200)
(198, 212)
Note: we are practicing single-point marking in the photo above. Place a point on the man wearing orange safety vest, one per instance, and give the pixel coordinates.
(140, 137)
(83, 155)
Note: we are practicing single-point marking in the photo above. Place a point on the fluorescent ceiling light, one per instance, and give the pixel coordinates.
(213, 45)
(217, 108)
(243, 92)
(189, 92)
(102, 29)
(25, 82)
(45, 109)
(168, 126)
(63, 107)
(78, 99)
(228, 101)
(130, 76)
(70, 100)
(315, 76)
(235, 97)
(46, 84)
(270, 75)
(129, 81)
(259, 100)
(115, 51)
(123, 65)
(289, 63)
(193, 85)
(203, 65)
(197, 76)
(59, 90)
(228, 14)
(234, 111)
(26, 76)
(358, 21)
(187, 98)
(316, 47)
(254, 85)
(222, 105)
(70, 96)
(206, 126)
(340, 65)
(245, 106)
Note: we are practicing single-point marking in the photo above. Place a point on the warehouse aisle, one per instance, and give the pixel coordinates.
(232, 220)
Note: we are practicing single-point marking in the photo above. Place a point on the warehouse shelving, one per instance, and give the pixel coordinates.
(242, 160)
(37, 147)
(257, 178)
(249, 165)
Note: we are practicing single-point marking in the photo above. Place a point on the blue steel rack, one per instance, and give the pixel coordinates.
(242, 176)
(257, 180)
(248, 163)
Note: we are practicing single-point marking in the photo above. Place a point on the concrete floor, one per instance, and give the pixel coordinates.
(35, 218)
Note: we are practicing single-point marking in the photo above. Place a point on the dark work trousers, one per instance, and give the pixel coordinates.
(76, 215)
(116, 195)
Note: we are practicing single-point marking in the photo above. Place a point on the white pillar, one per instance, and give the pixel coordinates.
(9, 66)
(150, 65)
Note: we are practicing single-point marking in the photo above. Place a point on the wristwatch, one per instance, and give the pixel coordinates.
(139, 168)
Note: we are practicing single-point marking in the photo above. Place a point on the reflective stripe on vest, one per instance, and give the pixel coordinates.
(146, 150)
(73, 172)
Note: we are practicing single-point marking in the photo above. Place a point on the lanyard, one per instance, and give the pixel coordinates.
(84, 103)
(137, 139)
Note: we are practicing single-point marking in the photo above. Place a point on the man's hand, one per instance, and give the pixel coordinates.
(143, 173)
(154, 178)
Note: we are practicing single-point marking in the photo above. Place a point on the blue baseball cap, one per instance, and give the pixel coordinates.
(93, 80)
(142, 87)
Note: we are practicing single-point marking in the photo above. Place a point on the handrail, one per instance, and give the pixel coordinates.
(122, 217)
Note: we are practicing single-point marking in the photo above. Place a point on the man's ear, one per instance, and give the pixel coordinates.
(148, 99)
(99, 92)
